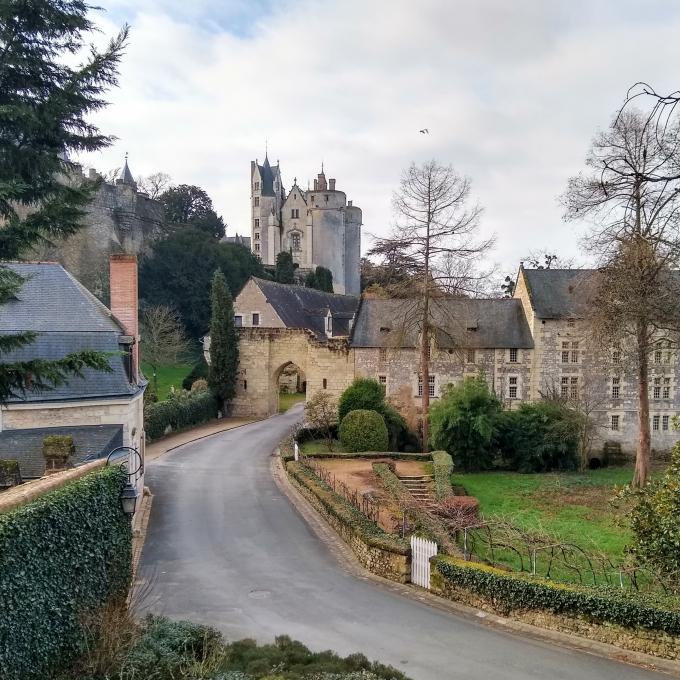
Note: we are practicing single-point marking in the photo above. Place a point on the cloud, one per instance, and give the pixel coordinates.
(512, 93)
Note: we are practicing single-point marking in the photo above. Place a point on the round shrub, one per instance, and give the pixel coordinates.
(363, 430)
(364, 394)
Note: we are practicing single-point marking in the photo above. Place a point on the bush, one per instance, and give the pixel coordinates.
(363, 430)
(540, 437)
(199, 385)
(199, 370)
(179, 411)
(463, 423)
(61, 555)
(442, 464)
(510, 592)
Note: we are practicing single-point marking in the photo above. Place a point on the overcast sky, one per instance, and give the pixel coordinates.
(511, 91)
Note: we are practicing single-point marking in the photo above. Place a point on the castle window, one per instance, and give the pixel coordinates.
(656, 421)
(245, 385)
(312, 199)
(656, 389)
(616, 356)
(257, 186)
(664, 423)
(325, 383)
(257, 222)
(513, 355)
(470, 358)
(512, 387)
(256, 201)
(666, 388)
(257, 247)
(382, 379)
(257, 235)
(616, 388)
(573, 388)
(382, 355)
(565, 352)
(574, 352)
(326, 197)
(430, 385)
(564, 387)
(238, 321)
(295, 241)
(256, 318)
(295, 212)
(615, 423)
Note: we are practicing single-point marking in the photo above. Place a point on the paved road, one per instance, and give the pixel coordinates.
(226, 548)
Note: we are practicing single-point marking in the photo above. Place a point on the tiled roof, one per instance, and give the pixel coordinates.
(300, 307)
(25, 446)
(469, 323)
(559, 293)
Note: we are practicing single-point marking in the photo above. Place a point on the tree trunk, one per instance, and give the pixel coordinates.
(643, 455)
(425, 375)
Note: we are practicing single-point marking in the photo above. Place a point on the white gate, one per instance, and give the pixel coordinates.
(421, 551)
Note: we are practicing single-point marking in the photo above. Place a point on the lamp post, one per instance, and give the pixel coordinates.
(129, 495)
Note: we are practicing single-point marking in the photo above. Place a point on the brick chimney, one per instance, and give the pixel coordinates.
(331, 184)
(124, 300)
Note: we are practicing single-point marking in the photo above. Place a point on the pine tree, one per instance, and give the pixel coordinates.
(44, 106)
(285, 268)
(223, 343)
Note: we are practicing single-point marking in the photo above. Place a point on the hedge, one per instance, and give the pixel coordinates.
(511, 591)
(368, 455)
(363, 430)
(340, 508)
(61, 555)
(443, 468)
(179, 411)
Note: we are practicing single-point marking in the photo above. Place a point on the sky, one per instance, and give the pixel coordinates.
(511, 92)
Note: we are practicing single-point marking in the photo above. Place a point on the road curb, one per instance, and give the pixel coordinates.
(341, 551)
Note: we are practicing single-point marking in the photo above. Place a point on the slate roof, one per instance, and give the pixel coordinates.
(468, 323)
(559, 293)
(66, 318)
(91, 442)
(237, 240)
(300, 307)
(267, 178)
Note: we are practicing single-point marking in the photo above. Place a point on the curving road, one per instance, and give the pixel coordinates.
(226, 548)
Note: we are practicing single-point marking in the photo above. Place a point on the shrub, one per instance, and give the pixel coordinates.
(320, 413)
(180, 410)
(199, 385)
(540, 437)
(61, 555)
(512, 591)
(362, 394)
(199, 370)
(463, 423)
(442, 464)
(363, 430)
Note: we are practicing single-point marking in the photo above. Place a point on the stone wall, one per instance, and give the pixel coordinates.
(656, 643)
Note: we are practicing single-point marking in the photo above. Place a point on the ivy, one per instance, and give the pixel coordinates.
(516, 592)
(61, 555)
(442, 464)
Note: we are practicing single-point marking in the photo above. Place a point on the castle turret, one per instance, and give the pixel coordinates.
(266, 197)
(125, 176)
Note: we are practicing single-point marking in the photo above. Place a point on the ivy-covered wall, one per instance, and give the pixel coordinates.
(61, 555)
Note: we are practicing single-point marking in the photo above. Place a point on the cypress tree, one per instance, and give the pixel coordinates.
(324, 279)
(285, 268)
(45, 104)
(223, 343)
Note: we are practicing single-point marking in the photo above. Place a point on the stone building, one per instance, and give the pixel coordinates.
(120, 219)
(319, 226)
(98, 410)
(532, 346)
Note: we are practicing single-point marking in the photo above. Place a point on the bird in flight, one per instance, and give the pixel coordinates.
(424, 131)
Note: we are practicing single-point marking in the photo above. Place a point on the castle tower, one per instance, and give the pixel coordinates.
(266, 198)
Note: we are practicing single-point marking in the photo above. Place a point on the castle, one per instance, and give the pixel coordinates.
(318, 226)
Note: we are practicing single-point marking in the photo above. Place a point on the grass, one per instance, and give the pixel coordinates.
(168, 376)
(319, 446)
(288, 399)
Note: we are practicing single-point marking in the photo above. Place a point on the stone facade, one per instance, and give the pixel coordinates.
(318, 226)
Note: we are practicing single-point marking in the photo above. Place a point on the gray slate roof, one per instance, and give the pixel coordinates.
(466, 323)
(237, 240)
(559, 293)
(91, 442)
(67, 318)
(267, 178)
(300, 307)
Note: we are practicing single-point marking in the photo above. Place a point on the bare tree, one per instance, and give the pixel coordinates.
(163, 338)
(631, 194)
(155, 184)
(321, 412)
(437, 235)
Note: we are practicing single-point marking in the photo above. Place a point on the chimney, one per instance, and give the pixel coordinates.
(331, 184)
(349, 204)
(316, 185)
(124, 300)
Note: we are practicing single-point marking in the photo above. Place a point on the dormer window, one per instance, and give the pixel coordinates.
(329, 324)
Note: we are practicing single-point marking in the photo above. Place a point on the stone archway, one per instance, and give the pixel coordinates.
(290, 385)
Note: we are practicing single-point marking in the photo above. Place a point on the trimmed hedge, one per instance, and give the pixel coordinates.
(179, 411)
(399, 455)
(369, 532)
(514, 591)
(443, 468)
(61, 555)
(363, 430)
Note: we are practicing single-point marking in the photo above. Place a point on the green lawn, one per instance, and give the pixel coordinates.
(168, 376)
(319, 446)
(572, 507)
(287, 399)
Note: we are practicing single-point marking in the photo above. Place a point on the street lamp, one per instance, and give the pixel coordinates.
(129, 494)
(128, 499)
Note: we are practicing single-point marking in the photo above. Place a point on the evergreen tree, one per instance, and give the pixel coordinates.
(310, 281)
(324, 279)
(44, 106)
(285, 269)
(223, 343)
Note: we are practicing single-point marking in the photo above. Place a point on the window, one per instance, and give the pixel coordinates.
(238, 321)
(430, 385)
(470, 358)
(257, 235)
(664, 423)
(312, 200)
(382, 355)
(256, 318)
(656, 389)
(656, 420)
(325, 383)
(564, 387)
(666, 388)
(615, 423)
(667, 358)
(574, 352)
(257, 186)
(329, 324)
(256, 201)
(616, 356)
(657, 356)
(257, 223)
(565, 352)
(257, 247)
(295, 241)
(573, 387)
(245, 385)
(326, 197)
(382, 379)
(295, 212)
(512, 387)
(427, 352)
(616, 388)
(513, 355)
